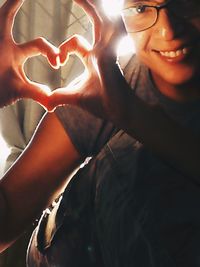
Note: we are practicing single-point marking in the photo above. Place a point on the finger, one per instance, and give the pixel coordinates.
(30, 89)
(7, 13)
(93, 16)
(68, 95)
(107, 10)
(41, 46)
(37, 92)
(74, 45)
(10, 9)
(98, 5)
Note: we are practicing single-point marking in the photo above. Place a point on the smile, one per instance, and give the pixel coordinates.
(174, 54)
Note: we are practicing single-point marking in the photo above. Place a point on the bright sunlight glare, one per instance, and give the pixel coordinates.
(3, 154)
(125, 46)
(112, 7)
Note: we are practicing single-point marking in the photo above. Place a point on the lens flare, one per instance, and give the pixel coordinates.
(112, 7)
(3, 154)
(126, 46)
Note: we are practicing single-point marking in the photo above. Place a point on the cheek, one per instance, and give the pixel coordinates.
(196, 24)
(142, 42)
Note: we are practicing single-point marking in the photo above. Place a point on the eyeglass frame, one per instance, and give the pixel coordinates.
(158, 8)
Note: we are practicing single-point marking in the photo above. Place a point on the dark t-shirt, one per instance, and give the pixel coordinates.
(145, 209)
(133, 208)
(89, 134)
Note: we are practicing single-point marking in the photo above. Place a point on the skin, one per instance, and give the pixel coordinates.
(42, 171)
(13, 57)
(39, 176)
(172, 77)
(36, 179)
(104, 92)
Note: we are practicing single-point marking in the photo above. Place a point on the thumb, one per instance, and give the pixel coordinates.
(38, 92)
(68, 95)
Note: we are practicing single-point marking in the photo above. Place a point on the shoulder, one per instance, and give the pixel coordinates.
(87, 132)
(131, 68)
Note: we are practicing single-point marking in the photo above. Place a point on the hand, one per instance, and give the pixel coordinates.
(102, 79)
(13, 82)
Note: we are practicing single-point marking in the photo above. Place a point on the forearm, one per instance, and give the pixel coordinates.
(23, 201)
(3, 214)
(37, 177)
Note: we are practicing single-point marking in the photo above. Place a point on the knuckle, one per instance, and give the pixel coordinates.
(40, 41)
(63, 48)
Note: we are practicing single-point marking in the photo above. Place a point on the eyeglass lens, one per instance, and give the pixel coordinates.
(143, 15)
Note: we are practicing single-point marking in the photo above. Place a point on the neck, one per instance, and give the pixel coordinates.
(186, 92)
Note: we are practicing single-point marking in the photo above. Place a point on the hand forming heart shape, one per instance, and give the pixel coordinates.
(99, 59)
(13, 57)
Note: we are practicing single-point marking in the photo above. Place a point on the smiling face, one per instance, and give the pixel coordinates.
(170, 49)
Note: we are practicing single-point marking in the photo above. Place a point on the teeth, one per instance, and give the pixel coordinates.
(184, 51)
(173, 54)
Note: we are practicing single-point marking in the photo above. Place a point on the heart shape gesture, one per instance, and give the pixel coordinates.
(13, 57)
(94, 90)
(102, 83)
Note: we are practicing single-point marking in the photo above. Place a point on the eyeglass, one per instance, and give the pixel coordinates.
(143, 15)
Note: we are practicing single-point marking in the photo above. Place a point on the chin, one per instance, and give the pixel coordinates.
(179, 77)
(177, 71)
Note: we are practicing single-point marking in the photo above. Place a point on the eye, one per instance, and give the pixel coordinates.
(140, 9)
(135, 10)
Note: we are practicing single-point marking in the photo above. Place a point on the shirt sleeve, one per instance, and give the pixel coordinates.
(87, 132)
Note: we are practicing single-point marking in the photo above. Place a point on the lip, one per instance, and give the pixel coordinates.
(188, 49)
(186, 52)
(180, 45)
(180, 57)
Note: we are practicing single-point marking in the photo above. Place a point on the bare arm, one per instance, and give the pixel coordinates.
(35, 179)
(39, 174)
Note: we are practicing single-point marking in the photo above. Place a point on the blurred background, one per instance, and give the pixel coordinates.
(55, 20)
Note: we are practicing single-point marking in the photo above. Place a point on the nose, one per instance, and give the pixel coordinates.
(168, 27)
